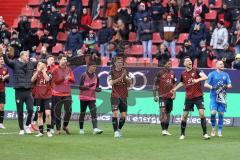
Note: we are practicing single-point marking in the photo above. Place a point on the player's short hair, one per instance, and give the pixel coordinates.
(186, 57)
(91, 63)
(61, 56)
(23, 52)
(49, 56)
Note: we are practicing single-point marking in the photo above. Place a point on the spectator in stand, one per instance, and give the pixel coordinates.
(31, 43)
(43, 53)
(76, 3)
(94, 7)
(162, 56)
(16, 44)
(145, 29)
(85, 24)
(186, 16)
(157, 12)
(2, 21)
(55, 2)
(186, 50)
(104, 36)
(95, 57)
(47, 40)
(236, 63)
(134, 6)
(74, 41)
(235, 31)
(219, 39)
(211, 3)
(121, 31)
(169, 34)
(227, 56)
(4, 33)
(45, 10)
(110, 10)
(138, 18)
(197, 33)
(226, 16)
(90, 39)
(124, 14)
(72, 18)
(200, 9)
(203, 55)
(55, 19)
(172, 9)
(23, 28)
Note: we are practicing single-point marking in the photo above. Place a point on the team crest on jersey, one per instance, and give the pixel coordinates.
(193, 74)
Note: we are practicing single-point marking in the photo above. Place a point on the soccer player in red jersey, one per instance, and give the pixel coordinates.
(120, 81)
(62, 79)
(42, 95)
(191, 78)
(164, 82)
(89, 85)
(3, 78)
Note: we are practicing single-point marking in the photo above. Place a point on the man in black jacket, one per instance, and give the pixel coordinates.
(22, 73)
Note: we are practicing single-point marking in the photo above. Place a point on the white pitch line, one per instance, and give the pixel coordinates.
(7, 133)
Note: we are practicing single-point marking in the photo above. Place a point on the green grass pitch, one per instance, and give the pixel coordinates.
(138, 142)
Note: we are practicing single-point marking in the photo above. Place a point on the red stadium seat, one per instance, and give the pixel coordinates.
(62, 36)
(204, 1)
(182, 37)
(57, 48)
(40, 33)
(164, 3)
(178, 47)
(101, 3)
(34, 23)
(33, 3)
(105, 61)
(157, 38)
(96, 24)
(175, 62)
(144, 61)
(208, 25)
(85, 3)
(131, 60)
(26, 11)
(62, 3)
(155, 62)
(125, 3)
(36, 13)
(154, 50)
(218, 4)
(132, 37)
(137, 50)
(15, 22)
(211, 16)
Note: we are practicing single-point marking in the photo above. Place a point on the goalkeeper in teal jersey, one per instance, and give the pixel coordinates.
(218, 82)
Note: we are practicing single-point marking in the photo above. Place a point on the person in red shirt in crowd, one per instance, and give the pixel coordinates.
(120, 81)
(164, 82)
(62, 79)
(3, 78)
(42, 95)
(191, 78)
(89, 85)
(86, 21)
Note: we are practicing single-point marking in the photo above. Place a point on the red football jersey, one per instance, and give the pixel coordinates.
(192, 90)
(42, 88)
(165, 81)
(120, 89)
(3, 72)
